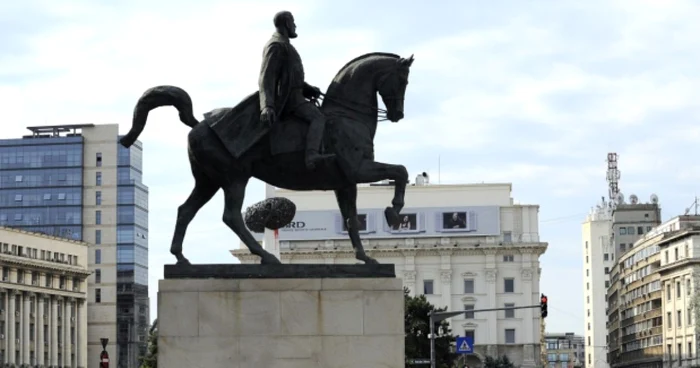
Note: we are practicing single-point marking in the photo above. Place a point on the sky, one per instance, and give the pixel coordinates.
(535, 93)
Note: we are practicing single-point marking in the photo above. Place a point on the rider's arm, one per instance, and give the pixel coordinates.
(269, 75)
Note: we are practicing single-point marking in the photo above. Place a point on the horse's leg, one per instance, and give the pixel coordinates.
(371, 171)
(201, 194)
(234, 194)
(347, 203)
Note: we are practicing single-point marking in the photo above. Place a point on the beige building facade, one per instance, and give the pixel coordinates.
(43, 294)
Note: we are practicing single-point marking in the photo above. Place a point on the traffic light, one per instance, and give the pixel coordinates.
(543, 306)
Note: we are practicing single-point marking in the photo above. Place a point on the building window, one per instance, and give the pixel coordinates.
(98, 197)
(98, 159)
(468, 315)
(586, 259)
(98, 295)
(648, 228)
(687, 286)
(687, 251)
(508, 258)
(510, 336)
(675, 252)
(607, 284)
(678, 289)
(588, 311)
(98, 178)
(668, 291)
(507, 237)
(469, 333)
(98, 256)
(508, 285)
(623, 231)
(606, 257)
(428, 287)
(98, 236)
(689, 318)
(622, 247)
(588, 286)
(469, 286)
(18, 198)
(666, 256)
(586, 244)
(630, 230)
(587, 273)
(589, 341)
(98, 276)
(669, 321)
(510, 313)
(690, 350)
(98, 217)
(607, 270)
(679, 318)
(18, 178)
(640, 230)
(589, 326)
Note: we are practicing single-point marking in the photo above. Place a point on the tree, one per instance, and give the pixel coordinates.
(150, 360)
(500, 362)
(417, 327)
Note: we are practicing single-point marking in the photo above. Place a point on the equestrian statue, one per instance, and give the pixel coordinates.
(280, 135)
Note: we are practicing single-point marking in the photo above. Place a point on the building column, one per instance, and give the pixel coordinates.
(446, 288)
(11, 327)
(492, 321)
(5, 306)
(80, 343)
(39, 353)
(528, 338)
(25, 328)
(67, 344)
(54, 330)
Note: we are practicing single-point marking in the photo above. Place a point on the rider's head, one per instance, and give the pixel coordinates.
(284, 22)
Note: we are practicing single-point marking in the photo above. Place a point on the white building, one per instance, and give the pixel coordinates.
(680, 280)
(598, 260)
(490, 260)
(43, 294)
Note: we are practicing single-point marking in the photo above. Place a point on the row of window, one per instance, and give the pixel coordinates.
(642, 343)
(679, 291)
(678, 354)
(49, 155)
(34, 278)
(640, 308)
(509, 335)
(41, 216)
(508, 286)
(41, 197)
(41, 178)
(18, 250)
(629, 230)
(134, 263)
(641, 255)
(641, 326)
(679, 318)
(641, 291)
(677, 255)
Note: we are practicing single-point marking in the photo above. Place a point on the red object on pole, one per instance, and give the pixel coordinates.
(104, 359)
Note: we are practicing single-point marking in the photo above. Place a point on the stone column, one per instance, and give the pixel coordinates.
(25, 328)
(11, 327)
(54, 330)
(67, 312)
(528, 338)
(492, 322)
(80, 344)
(446, 278)
(40, 328)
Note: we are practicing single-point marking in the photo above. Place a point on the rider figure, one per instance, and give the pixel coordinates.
(283, 91)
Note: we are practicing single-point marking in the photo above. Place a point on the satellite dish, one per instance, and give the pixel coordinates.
(620, 198)
(634, 199)
(654, 199)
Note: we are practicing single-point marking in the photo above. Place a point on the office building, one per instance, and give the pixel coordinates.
(77, 182)
(564, 350)
(463, 246)
(636, 324)
(43, 294)
(680, 279)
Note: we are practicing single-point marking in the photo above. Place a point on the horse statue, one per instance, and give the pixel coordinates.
(231, 145)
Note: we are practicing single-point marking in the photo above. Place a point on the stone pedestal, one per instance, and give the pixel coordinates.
(280, 316)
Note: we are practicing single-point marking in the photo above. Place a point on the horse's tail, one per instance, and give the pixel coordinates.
(156, 97)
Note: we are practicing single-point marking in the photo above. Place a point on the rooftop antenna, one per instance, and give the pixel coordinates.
(694, 205)
(438, 169)
(613, 177)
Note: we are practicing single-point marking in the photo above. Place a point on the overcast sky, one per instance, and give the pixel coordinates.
(535, 93)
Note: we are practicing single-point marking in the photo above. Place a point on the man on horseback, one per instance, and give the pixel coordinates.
(283, 91)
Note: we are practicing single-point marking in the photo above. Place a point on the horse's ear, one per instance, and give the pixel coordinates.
(406, 62)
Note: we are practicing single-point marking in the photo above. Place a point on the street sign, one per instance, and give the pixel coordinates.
(419, 361)
(465, 345)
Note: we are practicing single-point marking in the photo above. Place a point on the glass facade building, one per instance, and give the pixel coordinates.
(53, 182)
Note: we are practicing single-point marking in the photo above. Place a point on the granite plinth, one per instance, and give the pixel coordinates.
(280, 271)
(281, 323)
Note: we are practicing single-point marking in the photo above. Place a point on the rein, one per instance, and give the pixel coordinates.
(381, 113)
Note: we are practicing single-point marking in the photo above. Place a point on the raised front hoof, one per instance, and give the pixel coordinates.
(269, 259)
(392, 217)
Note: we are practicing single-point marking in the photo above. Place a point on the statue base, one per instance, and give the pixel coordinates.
(328, 316)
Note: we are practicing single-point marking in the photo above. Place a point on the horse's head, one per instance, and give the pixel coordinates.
(392, 87)
(359, 81)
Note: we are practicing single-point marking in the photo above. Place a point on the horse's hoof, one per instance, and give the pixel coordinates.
(269, 259)
(182, 261)
(370, 260)
(392, 217)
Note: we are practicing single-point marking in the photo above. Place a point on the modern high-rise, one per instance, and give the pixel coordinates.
(464, 247)
(77, 182)
(608, 233)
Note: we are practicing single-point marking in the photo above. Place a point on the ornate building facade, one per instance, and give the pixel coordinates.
(43, 294)
(464, 247)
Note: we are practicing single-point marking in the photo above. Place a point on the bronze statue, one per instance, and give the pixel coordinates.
(233, 144)
(284, 92)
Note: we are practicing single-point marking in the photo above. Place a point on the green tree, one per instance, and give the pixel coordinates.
(417, 327)
(500, 362)
(150, 360)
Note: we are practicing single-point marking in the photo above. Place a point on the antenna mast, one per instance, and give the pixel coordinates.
(613, 177)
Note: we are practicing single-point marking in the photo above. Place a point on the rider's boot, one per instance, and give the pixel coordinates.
(314, 139)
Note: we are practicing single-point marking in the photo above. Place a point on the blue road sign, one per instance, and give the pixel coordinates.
(465, 345)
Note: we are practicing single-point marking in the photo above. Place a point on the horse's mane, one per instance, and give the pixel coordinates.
(362, 58)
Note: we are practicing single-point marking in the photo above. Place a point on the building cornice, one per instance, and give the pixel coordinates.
(687, 262)
(42, 235)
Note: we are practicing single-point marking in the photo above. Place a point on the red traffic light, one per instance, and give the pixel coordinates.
(544, 299)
